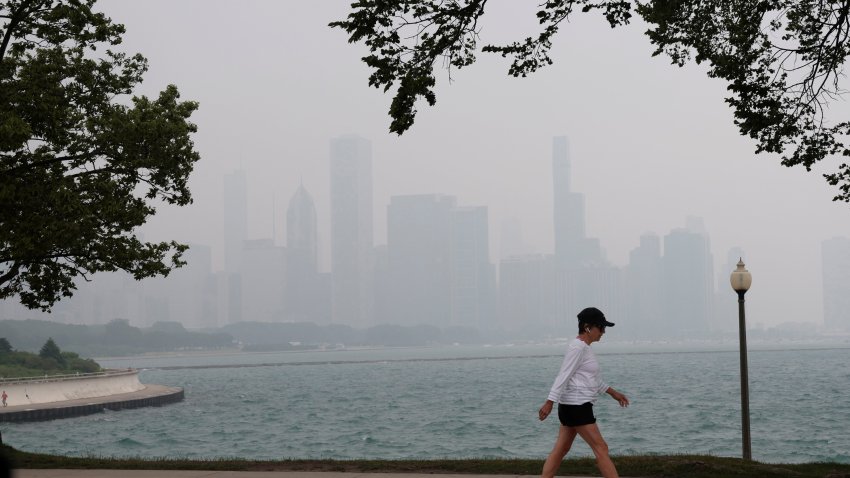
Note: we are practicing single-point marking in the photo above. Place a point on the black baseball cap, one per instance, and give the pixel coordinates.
(594, 316)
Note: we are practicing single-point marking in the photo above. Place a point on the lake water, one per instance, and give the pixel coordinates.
(460, 402)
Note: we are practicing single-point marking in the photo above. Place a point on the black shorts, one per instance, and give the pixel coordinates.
(576, 415)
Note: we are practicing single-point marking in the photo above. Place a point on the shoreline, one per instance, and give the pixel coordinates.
(234, 352)
(608, 347)
(681, 466)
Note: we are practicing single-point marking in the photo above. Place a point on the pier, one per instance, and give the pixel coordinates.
(52, 397)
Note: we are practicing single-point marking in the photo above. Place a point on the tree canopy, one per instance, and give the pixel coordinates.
(51, 351)
(114, 338)
(782, 60)
(49, 361)
(82, 162)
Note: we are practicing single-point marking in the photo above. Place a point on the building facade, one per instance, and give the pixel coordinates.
(352, 276)
(687, 283)
(305, 294)
(419, 258)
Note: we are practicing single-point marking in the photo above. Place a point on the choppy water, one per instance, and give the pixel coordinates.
(445, 402)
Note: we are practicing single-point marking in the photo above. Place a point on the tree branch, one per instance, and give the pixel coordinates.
(16, 18)
(11, 273)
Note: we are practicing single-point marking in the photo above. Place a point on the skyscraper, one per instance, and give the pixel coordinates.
(688, 281)
(835, 254)
(302, 274)
(302, 237)
(419, 258)
(572, 247)
(188, 291)
(583, 278)
(511, 242)
(351, 231)
(235, 231)
(473, 277)
(568, 207)
(527, 294)
(438, 263)
(263, 281)
(643, 287)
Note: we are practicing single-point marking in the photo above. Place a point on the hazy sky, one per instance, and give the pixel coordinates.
(650, 143)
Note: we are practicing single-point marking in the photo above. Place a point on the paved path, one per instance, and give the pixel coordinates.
(231, 474)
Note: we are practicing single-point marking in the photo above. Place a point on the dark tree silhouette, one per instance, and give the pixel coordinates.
(51, 351)
(82, 163)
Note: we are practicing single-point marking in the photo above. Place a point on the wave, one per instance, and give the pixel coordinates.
(127, 442)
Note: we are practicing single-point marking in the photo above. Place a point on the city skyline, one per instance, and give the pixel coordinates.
(651, 143)
(436, 268)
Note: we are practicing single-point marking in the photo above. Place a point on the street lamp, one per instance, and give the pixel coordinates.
(741, 281)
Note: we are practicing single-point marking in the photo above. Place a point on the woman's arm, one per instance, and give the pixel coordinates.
(619, 397)
(545, 410)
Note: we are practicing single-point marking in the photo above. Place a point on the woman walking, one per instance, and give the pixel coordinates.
(575, 389)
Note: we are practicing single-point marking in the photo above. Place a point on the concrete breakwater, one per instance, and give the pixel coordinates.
(49, 397)
(35, 390)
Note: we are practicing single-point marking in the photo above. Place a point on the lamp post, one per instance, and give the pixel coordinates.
(741, 281)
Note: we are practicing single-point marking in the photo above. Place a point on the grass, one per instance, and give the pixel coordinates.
(679, 466)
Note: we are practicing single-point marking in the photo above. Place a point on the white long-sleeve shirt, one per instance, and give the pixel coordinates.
(578, 381)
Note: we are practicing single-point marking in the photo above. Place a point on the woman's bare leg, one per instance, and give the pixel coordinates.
(593, 437)
(566, 435)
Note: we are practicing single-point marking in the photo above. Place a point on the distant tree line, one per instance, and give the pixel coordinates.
(266, 336)
(119, 338)
(50, 360)
(115, 338)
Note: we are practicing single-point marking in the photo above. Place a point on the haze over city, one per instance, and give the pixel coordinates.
(650, 144)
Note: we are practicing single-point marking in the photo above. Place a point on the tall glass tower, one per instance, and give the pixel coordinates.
(302, 274)
(568, 208)
(351, 231)
(301, 231)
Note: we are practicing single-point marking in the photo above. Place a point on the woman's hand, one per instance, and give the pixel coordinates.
(545, 410)
(619, 397)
